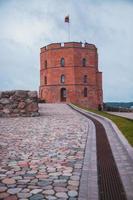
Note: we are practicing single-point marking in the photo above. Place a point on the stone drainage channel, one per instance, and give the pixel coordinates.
(107, 183)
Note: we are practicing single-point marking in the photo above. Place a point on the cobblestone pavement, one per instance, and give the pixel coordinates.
(42, 157)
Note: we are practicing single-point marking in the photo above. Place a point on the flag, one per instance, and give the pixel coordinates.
(67, 19)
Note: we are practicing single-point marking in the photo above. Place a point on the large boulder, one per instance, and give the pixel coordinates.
(21, 93)
(6, 110)
(21, 105)
(32, 107)
(4, 101)
(7, 94)
(1, 107)
(32, 94)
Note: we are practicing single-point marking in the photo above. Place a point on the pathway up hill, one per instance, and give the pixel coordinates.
(42, 157)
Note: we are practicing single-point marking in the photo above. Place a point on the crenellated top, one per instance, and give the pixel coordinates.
(68, 45)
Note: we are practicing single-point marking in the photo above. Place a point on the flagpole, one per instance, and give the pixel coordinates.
(67, 20)
(69, 31)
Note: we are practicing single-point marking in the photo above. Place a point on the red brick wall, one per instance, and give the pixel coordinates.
(74, 72)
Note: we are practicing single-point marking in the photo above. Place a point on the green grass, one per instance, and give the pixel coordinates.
(125, 125)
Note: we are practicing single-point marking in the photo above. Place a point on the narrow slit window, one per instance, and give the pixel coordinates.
(62, 80)
(45, 64)
(85, 78)
(62, 62)
(85, 92)
(84, 62)
(45, 80)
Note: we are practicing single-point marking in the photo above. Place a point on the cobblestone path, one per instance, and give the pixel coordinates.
(42, 157)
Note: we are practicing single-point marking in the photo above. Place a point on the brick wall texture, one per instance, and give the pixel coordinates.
(69, 73)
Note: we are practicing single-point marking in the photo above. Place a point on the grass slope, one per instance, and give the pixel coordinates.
(125, 125)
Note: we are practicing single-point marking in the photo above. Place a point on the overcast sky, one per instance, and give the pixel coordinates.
(27, 25)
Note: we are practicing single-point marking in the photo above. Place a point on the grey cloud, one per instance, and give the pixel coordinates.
(30, 25)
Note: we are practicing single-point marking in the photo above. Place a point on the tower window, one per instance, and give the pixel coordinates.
(85, 92)
(63, 94)
(85, 78)
(62, 62)
(62, 80)
(84, 62)
(45, 64)
(45, 80)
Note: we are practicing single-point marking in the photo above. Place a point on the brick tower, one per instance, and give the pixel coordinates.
(69, 73)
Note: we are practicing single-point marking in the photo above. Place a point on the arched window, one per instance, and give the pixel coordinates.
(62, 79)
(45, 80)
(85, 78)
(45, 64)
(84, 62)
(62, 62)
(85, 92)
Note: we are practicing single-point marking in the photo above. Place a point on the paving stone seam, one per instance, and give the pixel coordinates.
(127, 147)
(118, 133)
(88, 166)
(88, 188)
(122, 156)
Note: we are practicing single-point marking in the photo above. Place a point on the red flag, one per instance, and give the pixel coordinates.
(67, 19)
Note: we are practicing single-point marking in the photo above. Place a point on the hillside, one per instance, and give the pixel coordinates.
(120, 104)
